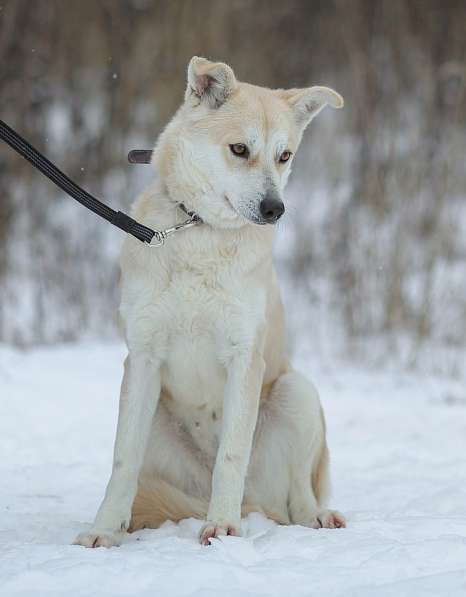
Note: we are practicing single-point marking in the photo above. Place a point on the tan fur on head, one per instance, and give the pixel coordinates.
(194, 154)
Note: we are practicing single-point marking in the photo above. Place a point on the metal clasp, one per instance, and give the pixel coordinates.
(157, 240)
(161, 235)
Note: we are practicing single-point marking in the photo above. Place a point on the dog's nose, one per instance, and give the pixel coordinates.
(271, 209)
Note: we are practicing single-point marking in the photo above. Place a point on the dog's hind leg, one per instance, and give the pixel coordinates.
(293, 425)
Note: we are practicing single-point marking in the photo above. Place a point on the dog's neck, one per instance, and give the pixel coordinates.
(206, 238)
(184, 208)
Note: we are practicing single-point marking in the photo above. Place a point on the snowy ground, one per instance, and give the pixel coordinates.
(399, 466)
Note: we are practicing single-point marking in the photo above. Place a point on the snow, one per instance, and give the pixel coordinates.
(397, 441)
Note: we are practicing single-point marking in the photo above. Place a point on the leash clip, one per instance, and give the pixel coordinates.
(157, 240)
(160, 236)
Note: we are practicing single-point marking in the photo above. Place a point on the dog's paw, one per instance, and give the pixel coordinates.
(214, 530)
(329, 519)
(99, 538)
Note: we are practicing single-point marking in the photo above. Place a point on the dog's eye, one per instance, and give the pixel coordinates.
(286, 155)
(240, 150)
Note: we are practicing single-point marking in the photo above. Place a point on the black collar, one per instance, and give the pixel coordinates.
(192, 214)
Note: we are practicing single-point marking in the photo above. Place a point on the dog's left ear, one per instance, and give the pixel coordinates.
(212, 82)
(307, 103)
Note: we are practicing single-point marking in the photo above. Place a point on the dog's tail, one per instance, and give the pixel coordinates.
(320, 477)
(158, 501)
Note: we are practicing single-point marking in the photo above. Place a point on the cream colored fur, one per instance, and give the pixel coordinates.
(213, 421)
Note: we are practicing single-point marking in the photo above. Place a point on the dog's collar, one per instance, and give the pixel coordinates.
(160, 236)
(191, 214)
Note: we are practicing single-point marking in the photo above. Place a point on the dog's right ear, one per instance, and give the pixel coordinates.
(210, 82)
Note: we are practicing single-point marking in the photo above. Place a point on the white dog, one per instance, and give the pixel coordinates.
(213, 420)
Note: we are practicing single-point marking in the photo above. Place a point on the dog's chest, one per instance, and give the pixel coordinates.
(209, 316)
(196, 312)
(192, 371)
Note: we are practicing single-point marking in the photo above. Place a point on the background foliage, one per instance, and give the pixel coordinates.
(373, 251)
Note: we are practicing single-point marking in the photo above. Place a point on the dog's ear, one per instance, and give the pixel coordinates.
(307, 103)
(210, 82)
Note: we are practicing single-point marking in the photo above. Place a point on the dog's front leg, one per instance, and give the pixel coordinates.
(140, 391)
(244, 380)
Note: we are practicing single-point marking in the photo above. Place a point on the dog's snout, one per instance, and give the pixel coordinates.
(271, 209)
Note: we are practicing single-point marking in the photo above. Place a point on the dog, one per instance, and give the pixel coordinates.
(213, 421)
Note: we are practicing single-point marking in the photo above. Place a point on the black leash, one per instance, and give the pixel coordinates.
(117, 218)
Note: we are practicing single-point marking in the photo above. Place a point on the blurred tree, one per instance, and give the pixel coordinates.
(87, 81)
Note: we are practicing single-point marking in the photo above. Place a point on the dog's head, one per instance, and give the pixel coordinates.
(227, 153)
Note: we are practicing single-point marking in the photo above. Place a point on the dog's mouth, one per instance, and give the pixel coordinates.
(251, 217)
(232, 208)
(230, 205)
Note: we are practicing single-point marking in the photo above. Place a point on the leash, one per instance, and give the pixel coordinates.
(154, 238)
